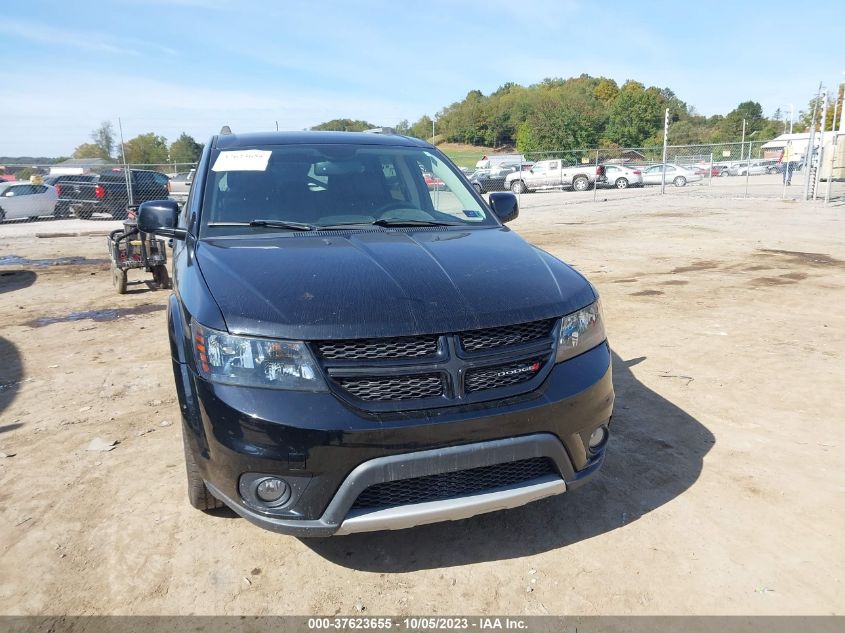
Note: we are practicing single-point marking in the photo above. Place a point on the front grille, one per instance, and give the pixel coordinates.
(455, 484)
(477, 340)
(394, 388)
(374, 349)
(502, 375)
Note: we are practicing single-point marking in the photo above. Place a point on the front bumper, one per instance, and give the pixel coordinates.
(330, 452)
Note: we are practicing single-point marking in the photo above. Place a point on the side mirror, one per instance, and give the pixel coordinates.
(160, 217)
(504, 205)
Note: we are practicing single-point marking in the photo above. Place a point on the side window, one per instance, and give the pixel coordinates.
(22, 190)
(554, 165)
(39, 189)
(160, 179)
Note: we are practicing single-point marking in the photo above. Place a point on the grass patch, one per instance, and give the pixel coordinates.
(464, 155)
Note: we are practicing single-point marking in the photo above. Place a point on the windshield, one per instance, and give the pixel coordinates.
(335, 186)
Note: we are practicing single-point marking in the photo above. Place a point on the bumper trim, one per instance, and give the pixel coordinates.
(337, 518)
(454, 509)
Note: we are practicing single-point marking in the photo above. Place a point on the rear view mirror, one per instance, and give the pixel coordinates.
(160, 217)
(504, 205)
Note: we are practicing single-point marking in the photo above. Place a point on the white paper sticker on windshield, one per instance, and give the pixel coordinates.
(242, 160)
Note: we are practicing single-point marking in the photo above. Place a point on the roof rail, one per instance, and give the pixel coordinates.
(381, 130)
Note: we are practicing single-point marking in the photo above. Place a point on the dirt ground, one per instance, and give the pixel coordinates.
(723, 491)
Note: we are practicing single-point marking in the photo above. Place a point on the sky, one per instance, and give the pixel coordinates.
(168, 66)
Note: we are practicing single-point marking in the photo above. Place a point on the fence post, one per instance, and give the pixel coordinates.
(817, 178)
(665, 149)
(811, 144)
(126, 174)
(834, 147)
(710, 172)
(596, 181)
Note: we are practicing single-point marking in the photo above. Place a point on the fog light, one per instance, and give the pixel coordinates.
(271, 489)
(598, 437)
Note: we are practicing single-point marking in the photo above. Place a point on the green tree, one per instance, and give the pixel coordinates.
(146, 149)
(556, 125)
(422, 128)
(185, 149)
(25, 173)
(88, 150)
(344, 125)
(103, 138)
(635, 116)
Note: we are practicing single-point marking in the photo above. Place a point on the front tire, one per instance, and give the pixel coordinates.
(517, 187)
(119, 280)
(580, 183)
(198, 494)
(160, 276)
(621, 183)
(680, 181)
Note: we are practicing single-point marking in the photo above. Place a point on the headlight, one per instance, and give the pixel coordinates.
(255, 362)
(580, 331)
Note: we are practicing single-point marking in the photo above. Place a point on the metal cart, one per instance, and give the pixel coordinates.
(129, 248)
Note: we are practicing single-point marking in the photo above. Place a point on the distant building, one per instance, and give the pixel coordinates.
(773, 148)
(76, 166)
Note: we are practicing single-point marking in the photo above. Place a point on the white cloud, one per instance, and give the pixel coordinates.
(53, 117)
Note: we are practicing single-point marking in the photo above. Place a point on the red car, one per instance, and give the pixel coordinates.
(432, 182)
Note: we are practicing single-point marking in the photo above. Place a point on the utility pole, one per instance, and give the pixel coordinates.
(791, 116)
(665, 150)
(127, 176)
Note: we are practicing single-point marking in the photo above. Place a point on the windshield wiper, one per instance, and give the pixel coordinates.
(273, 224)
(401, 222)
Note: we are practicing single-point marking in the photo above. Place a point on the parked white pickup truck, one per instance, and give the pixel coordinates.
(554, 174)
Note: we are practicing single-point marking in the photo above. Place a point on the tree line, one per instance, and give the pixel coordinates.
(144, 149)
(585, 111)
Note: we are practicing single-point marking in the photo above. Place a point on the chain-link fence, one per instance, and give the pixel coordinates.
(97, 190)
(745, 169)
(87, 189)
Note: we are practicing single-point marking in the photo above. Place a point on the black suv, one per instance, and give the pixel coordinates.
(354, 351)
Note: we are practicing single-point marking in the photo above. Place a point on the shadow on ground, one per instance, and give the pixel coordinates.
(11, 280)
(655, 454)
(11, 374)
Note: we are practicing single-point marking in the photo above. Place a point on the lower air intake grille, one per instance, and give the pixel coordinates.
(455, 484)
(395, 388)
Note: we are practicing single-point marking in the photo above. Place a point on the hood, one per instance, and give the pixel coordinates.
(361, 284)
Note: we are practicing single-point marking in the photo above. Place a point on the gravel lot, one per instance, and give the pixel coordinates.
(723, 491)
